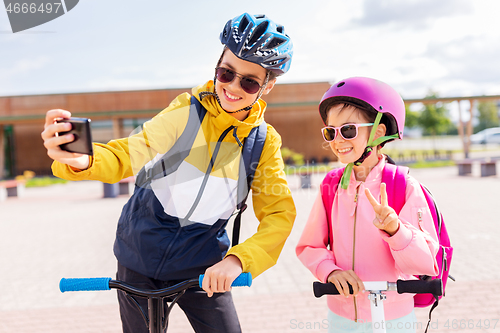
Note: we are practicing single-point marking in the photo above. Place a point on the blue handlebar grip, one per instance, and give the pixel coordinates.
(243, 280)
(81, 284)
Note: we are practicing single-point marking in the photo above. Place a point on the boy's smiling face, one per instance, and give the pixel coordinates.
(232, 97)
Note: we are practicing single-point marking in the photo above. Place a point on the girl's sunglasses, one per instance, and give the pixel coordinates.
(225, 75)
(347, 131)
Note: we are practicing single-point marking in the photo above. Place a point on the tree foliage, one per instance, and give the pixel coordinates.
(411, 120)
(434, 118)
(487, 116)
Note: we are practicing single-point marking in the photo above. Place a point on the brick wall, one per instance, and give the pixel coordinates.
(292, 110)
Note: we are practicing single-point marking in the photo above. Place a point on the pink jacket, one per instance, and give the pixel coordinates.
(373, 255)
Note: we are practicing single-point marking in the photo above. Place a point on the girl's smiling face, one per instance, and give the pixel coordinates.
(348, 151)
(232, 97)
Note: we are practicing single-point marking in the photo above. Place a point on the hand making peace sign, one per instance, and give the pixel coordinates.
(385, 217)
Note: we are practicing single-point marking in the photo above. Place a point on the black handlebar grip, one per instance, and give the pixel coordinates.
(321, 289)
(434, 287)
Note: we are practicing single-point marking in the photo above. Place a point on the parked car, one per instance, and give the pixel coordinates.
(489, 135)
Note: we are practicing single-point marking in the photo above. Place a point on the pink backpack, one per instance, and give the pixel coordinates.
(395, 179)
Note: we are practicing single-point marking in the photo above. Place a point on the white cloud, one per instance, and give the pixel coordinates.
(409, 13)
(26, 66)
(472, 63)
(12, 76)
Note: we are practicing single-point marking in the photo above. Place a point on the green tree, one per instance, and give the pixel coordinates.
(411, 119)
(434, 118)
(487, 116)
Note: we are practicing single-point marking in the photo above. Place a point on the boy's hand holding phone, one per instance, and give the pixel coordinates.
(82, 142)
(52, 140)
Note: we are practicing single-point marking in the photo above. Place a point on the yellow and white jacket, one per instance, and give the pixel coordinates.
(168, 245)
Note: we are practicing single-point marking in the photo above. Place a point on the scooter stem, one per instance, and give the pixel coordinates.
(377, 307)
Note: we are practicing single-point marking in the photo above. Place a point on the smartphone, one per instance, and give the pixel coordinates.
(80, 128)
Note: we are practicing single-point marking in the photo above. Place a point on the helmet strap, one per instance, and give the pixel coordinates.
(346, 176)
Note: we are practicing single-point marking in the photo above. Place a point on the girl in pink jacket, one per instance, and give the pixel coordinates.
(370, 241)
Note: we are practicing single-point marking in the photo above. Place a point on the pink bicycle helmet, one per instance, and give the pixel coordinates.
(369, 94)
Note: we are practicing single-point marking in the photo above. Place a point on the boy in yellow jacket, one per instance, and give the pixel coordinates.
(173, 227)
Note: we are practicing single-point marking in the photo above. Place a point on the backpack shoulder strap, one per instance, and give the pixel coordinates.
(328, 189)
(171, 160)
(394, 177)
(251, 152)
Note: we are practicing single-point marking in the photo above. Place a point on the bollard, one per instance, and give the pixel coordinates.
(126, 186)
(305, 180)
(111, 190)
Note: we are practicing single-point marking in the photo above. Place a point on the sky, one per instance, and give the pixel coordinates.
(451, 47)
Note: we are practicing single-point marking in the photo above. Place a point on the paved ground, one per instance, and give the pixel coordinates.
(68, 231)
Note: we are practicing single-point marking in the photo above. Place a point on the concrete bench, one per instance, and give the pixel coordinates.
(124, 186)
(465, 167)
(11, 188)
(488, 166)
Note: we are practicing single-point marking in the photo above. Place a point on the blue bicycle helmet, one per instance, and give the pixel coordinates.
(259, 40)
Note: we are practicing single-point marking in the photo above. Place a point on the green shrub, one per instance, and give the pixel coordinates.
(44, 181)
(292, 158)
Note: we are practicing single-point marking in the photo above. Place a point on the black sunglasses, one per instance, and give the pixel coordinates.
(225, 75)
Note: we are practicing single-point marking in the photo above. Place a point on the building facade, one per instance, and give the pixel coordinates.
(292, 110)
